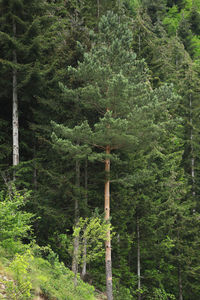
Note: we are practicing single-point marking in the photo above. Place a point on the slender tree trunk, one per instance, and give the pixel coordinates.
(139, 44)
(118, 249)
(35, 177)
(76, 216)
(98, 8)
(192, 149)
(84, 268)
(9, 185)
(35, 168)
(108, 239)
(180, 286)
(15, 121)
(138, 258)
(86, 182)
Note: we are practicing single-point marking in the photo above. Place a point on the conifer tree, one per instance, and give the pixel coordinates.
(24, 26)
(116, 86)
(170, 61)
(19, 43)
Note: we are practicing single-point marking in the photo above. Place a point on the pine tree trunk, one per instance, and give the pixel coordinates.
(108, 239)
(84, 268)
(138, 258)
(15, 121)
(76, 216)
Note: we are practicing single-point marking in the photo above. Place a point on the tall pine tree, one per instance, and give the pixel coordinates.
(116, 87)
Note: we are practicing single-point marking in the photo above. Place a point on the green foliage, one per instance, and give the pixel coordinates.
(121, 292)
(20, 289)
(160, 293)
(14, 222)
(196, 45)
(172, 20)
(56, 281)
(30, 274)
(116, 85)
(92, 233)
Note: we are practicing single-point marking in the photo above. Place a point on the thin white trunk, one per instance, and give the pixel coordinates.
(86, 181)
(84, 268)
(75, 258)
(138, 258)
(76, 216)
(108, 238)
(15, 120)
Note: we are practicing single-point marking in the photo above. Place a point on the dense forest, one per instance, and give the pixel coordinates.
(99, 149)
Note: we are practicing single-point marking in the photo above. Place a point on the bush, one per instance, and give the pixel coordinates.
(14, 223)
(57, 282)
(21, 287)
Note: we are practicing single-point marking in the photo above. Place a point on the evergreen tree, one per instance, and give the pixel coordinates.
(28, 32)
(117, 86)
(172, 63)
(19, 43)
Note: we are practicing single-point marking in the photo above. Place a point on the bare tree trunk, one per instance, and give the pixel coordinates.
(84, 268)
(139, 43)
(35, 168)
(192, 149)
(35, 177)
(76, 216)
(180, 286)
(15, 121)
(86, 181)
(138, 258)
(118, 249)
(108, 239)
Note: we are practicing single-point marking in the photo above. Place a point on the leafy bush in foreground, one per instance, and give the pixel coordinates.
(30, 273)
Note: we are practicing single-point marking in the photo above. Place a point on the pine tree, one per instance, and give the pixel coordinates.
(117, 86)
